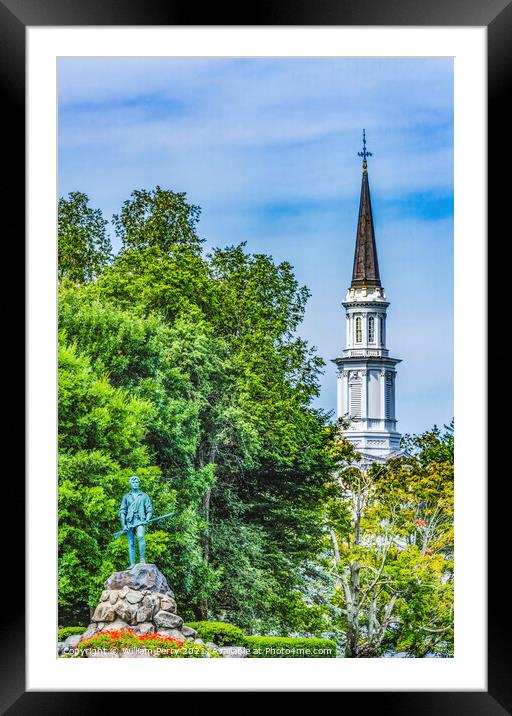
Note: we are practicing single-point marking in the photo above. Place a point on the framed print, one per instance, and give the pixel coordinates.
(259, 248)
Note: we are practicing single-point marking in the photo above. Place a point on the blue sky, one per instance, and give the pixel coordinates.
(268, 149)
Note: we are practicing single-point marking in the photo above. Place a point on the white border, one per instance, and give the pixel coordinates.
(467, 670)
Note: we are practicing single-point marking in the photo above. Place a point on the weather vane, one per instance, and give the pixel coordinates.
(364, 153)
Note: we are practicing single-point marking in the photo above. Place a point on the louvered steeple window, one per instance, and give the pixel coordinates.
(371, 329)
(359, 330)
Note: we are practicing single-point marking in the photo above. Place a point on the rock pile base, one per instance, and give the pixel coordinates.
(139, 599)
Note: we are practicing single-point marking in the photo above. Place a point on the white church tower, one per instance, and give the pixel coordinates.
(366, 372)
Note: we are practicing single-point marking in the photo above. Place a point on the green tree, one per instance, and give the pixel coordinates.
(84, 248)
(391, 530)
(139, 356)
(101, 443)
(158, 218)
(234, 317)
(267, 499)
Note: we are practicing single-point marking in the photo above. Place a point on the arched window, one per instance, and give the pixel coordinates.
(381, 331)
(359, 330)
(371, 329)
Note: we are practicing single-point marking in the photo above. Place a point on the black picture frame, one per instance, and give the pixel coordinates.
(496, 15)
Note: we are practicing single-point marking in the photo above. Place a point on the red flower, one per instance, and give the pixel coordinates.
(129, 637)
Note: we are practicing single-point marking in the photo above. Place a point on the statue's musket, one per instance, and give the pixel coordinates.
(155, 519)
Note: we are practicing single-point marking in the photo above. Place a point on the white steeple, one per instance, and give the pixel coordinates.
(366, 373)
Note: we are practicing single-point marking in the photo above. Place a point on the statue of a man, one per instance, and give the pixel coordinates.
(134, 513)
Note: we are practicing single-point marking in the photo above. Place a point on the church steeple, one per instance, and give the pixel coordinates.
(366, 264)
(366, 371)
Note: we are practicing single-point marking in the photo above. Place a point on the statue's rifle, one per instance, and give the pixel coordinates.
(137, 524)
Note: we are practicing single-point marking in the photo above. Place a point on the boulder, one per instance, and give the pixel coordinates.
(104, 612)
(134, 597)
(141, 577)
(151, 602)
(144, 614)
(144, 628)
(116, 625)
(166, 620)
(189, 632)
(71, 642)
(167, 604)
(127, 612)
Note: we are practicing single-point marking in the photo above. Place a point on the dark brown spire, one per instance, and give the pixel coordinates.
(366, 264)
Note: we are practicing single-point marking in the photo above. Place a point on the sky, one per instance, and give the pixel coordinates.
(268, 149)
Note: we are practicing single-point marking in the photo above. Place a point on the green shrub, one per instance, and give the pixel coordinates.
(220, 633)
(124, 641)
(64, 632)
(283, 647)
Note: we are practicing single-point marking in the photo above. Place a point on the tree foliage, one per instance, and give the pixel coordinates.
(157, 218)
(391, 529)
(138, 354)
(101, 443)
(84, 248)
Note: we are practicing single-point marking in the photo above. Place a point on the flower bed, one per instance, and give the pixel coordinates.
(126, 643)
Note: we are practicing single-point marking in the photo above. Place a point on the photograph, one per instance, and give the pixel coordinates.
(255, 357)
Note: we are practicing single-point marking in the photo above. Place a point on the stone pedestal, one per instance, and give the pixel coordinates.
(139, 599)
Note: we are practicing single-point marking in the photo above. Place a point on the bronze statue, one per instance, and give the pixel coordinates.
(135, 513)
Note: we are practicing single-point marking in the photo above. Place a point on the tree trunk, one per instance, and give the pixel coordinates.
(199, 612)
(206, 515)
(335, 548)
(352, 636)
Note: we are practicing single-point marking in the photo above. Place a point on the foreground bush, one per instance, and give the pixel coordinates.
(64, 632)
(220, 633)
(124, 641)
(283, 647)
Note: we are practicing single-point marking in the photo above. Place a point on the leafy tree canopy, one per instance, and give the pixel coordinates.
(84, 248)
(158, 218)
